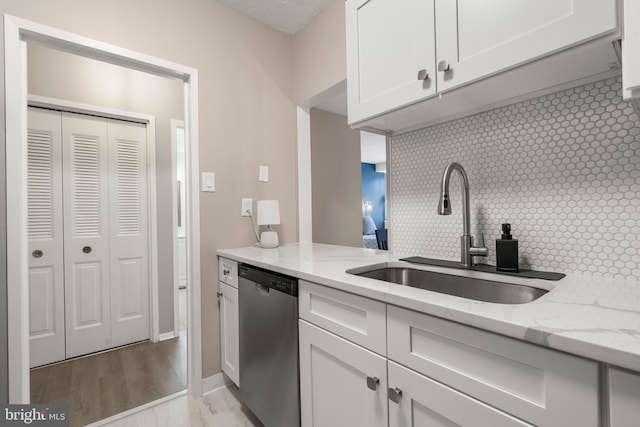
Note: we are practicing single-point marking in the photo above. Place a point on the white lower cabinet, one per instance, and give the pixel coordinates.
(229, 334)
(435, 372)
(624, 398)
(530, 382)
(416, 400)
(341, 383)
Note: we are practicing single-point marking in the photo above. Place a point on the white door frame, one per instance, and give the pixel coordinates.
(175, 124)
(150, 122)
(17, 32)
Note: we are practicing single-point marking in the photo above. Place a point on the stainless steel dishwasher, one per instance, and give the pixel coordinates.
(268, 307)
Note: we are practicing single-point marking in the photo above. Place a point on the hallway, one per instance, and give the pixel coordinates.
(104, 384)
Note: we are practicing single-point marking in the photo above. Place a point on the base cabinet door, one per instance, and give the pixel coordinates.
(416, 400)
(624, 398)
(341, 383)
(229, 338)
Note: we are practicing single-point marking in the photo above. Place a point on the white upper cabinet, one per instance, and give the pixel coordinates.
(390, 54)
(477, 39)
(402, 52)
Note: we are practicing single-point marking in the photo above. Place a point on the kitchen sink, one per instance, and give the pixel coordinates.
(461, 286)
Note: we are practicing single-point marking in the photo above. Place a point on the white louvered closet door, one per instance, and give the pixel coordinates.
(86, 243)
(46, 262)
(128, 232)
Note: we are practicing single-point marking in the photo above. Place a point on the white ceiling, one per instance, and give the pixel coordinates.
(285, 15)
(372, 148)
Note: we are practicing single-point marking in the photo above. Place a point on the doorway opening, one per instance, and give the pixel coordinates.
(17, 33)
(373, 158)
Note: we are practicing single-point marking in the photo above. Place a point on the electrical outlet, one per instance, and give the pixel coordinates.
(247, 207)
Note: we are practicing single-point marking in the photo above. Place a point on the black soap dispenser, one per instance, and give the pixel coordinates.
(507, 251)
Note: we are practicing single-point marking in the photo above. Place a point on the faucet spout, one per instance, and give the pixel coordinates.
(467, 250)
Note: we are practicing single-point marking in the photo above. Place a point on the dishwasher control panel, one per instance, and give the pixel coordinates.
(269, 279)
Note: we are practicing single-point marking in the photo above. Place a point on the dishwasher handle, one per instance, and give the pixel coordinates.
(262, 289)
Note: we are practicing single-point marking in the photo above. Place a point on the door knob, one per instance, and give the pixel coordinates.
(444, 66)
(86, 249)
(423, 75)
(37, 253)
(394, 394)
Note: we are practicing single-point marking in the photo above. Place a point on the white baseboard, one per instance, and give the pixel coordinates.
(167, 336)
(215, 383)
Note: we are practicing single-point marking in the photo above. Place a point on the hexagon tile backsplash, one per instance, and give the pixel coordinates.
(563, 169)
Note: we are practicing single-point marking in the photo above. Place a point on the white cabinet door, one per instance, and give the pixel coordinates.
(416, 401)
(86, 200)
(624, 399)
(478, 39)
(630, 48)
(389, 42)
(229, 337)
(128, 232)
(341, 383)
(46, 262)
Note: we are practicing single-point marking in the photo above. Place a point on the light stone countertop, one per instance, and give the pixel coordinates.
(586, 316)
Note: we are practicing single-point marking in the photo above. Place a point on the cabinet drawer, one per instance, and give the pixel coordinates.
(425, 402)
(535, 384)
(228, 271)
(358, 319)
(624, 399)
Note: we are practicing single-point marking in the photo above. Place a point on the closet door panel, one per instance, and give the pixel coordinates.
(128, 213)
(45, 233)
(86, 242)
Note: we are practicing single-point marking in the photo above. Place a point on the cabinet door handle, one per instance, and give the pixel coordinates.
(37, 253)
(372, 383)
(444, 66)
(226, 271)
(394, 394)
(86, 249)
(423, 75)
(219, 295)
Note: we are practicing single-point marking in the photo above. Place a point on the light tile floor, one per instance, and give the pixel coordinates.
(219, 409)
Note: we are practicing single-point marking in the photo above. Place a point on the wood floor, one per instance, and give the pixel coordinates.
(104, 384)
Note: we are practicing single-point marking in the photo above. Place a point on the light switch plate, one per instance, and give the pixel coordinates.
(263, 176)
(209, 182)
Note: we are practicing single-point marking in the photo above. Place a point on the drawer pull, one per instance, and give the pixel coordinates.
(394, 394)
(423, 75)
(372, 383)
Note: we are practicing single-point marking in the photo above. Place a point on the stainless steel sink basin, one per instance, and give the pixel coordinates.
(465, 287)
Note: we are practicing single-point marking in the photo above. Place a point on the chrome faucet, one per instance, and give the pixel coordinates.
(467, 250)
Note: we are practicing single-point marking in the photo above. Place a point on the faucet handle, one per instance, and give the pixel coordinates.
(481, 250)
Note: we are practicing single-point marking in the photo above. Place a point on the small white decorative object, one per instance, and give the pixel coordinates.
(268, 214)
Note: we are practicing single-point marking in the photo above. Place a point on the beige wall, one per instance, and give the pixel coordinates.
(60, 75)
(336, 180)
(247, 109)
(320, 52)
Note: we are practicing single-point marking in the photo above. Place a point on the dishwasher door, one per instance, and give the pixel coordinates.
(268, 327)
